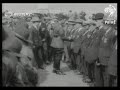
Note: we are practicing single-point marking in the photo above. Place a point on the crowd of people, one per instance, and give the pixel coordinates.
(89, 47)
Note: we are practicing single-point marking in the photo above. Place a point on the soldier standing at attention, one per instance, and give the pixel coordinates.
(105, 51)
(112, 64)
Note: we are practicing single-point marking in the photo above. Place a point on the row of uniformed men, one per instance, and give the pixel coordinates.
(93, 53)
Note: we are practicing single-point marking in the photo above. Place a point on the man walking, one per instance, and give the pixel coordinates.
(58, 47)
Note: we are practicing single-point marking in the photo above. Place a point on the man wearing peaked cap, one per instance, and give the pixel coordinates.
(57, 45)
(105, 49)
(36, 39)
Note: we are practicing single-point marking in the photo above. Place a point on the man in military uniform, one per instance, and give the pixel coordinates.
(66, 57)
(58, 46)
(67, 44)
(44, 34)
(74, 45)
(105, 50)
(36, 39)
(82, 66)
(112, 65)
(85, 44)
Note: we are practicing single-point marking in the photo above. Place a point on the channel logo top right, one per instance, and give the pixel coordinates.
(110, 11)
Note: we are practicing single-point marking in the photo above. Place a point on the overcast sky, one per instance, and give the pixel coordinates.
(88, 7)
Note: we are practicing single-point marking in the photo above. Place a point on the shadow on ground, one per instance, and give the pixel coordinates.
(65, 69)
(42, 76)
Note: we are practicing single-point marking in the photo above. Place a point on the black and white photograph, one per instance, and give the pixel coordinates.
(59, 45)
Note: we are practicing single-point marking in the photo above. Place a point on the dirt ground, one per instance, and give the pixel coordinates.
(49, 79)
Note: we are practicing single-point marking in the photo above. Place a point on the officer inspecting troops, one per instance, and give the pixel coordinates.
(58, 46)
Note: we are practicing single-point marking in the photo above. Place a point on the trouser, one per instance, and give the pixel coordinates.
(84, 66)
(73, 59)
(80, 63)
(57, 58)
(38, 56)
(51, 54)
(66, 54)
(91, 69)
(49, 50)
(101, 76)
(44, 50)
(78, 60)
(112, 81)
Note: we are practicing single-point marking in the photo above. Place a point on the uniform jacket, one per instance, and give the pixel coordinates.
(57, 42)
(105, 49)
(112, 64)
(93, 48)
(87, 50)
(44, 34)
(35, 36)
